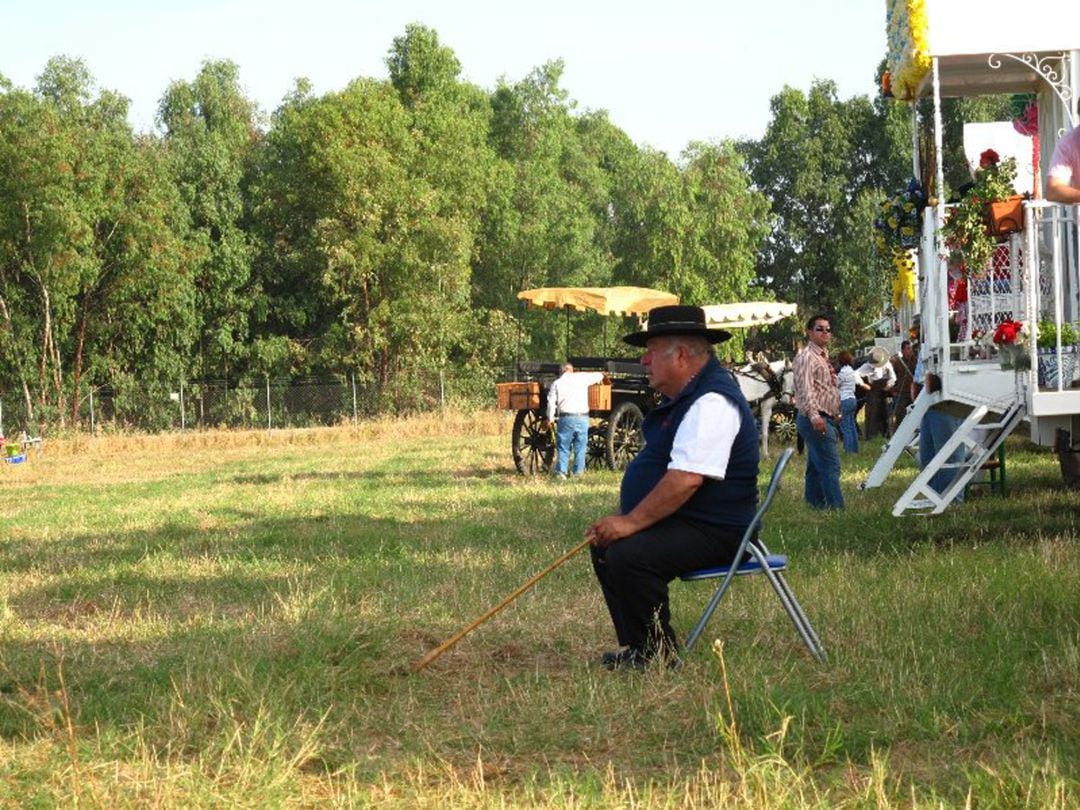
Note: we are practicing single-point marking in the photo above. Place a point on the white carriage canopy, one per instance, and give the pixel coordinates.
(747, 313)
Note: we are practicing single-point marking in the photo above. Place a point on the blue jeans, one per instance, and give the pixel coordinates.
(847, 424)
(934, 430)
(572, 433)
(822, 465)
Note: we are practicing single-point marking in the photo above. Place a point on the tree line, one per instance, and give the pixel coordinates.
(385, 229)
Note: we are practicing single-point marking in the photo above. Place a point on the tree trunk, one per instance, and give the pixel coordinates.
(77, 373)
(46, 330)
(15, 355)
(50, 355)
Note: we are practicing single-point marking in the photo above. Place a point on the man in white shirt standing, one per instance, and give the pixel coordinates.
(568, 400)
(880, 374)
(1063, 175)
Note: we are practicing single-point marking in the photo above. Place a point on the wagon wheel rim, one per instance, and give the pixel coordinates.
(784, 427)
(625, 438)
(533, 448)
(596, 447)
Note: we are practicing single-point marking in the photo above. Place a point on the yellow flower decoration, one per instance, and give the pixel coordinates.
(909, 58)
(903, 285)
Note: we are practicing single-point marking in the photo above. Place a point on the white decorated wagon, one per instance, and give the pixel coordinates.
(960, 48)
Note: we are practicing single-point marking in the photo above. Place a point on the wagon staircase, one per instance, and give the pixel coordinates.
(980, 435)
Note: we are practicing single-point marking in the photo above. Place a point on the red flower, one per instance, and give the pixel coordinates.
(1007, 331)
(989, 159)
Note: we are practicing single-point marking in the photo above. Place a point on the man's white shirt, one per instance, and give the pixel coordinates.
(705, 437)
(570, 393)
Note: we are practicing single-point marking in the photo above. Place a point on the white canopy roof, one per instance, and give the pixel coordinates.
(956, 27)
(747, 313)
(983, 46)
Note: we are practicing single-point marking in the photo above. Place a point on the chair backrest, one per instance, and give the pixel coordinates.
(765, 566)
(766, 502)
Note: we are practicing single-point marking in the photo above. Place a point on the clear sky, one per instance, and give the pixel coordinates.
(666, 72)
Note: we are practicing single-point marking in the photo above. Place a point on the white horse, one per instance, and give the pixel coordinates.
(764, 384)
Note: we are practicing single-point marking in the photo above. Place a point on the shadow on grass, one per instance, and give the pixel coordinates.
(282, 598)
(415, 479)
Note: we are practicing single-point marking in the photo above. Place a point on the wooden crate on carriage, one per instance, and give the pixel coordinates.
(600, 397)
(516, 396)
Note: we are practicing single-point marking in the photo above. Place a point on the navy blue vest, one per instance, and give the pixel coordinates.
(729, 502)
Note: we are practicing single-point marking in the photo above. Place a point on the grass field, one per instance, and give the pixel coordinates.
(229, 619)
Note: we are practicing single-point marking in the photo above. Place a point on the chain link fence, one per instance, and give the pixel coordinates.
(269, 403)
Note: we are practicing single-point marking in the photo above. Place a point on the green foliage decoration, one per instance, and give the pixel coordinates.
(966, 233)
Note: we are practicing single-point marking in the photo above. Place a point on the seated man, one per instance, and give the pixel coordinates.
(687, 497)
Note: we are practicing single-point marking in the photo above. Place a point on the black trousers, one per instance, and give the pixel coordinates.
(877, 415)
(634, 574)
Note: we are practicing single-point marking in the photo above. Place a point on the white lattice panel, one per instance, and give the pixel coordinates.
(998, 294)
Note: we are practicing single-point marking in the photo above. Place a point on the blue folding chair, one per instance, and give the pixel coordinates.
(756, 559)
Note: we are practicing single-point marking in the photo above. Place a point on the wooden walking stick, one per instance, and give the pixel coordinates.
(454, 639)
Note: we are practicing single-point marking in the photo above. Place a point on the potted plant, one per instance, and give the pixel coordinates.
(1012, 339)
(969, 229)
(1047, 340)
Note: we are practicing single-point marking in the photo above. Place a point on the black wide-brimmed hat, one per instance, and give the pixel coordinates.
(677, 320)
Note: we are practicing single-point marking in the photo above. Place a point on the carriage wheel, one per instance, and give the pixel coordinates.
(533, 446)
(596, 448)
(624, 437)
(783, 425)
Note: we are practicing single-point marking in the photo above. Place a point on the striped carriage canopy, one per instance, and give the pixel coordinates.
(747, 313)
(605, 300)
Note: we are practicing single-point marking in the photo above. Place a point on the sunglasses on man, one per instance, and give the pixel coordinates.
(822, 329)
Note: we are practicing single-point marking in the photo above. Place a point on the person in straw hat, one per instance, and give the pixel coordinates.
(879, 374)
(687, 497)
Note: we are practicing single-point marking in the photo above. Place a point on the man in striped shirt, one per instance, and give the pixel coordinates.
(818, 400)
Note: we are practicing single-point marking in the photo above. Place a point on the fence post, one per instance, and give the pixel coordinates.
(1, 417)
(92, 426)
(442, 391)
(352, 377)
(269, 424)
(182, 423)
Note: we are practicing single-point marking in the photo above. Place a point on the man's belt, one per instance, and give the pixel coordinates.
(564, 413)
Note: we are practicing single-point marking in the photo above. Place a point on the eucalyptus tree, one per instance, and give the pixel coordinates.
(728, 223)
(211, 132)
(818, 158)
(92, 275)
(693, 229)
(360, 261)
(450, 121)
(541, 227)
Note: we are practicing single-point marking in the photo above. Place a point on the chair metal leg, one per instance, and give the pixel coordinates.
(798, 616)
(791, 604)
(751, 542)
(795, 603)
(699, 628)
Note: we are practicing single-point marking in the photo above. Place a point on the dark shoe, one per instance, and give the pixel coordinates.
(611, 657)
(630, 660)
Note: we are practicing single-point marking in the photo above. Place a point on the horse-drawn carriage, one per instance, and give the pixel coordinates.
(618, 406)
